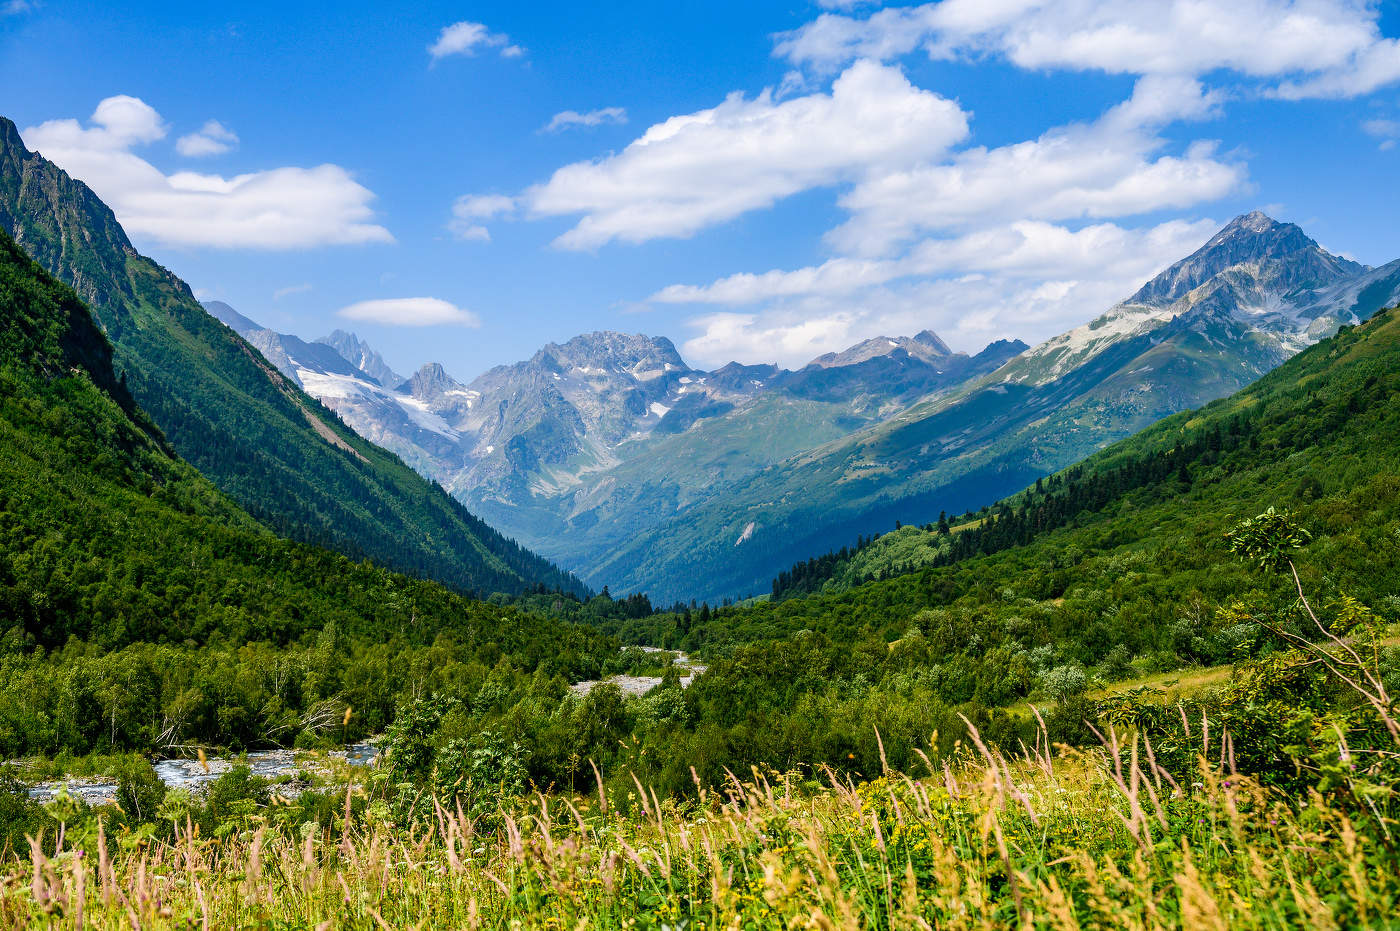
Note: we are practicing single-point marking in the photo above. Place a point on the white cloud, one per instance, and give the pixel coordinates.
(980, 245)
(1109, 168)
(15, 7)
(470, 210)
(288, 291)
(700, 169)
(410, 311)
(1387, 131)
(280, 208)
(1052, 279)
(1024, 249)
(465, 38)
(1321, 47)
(567, 119)
(213, 138)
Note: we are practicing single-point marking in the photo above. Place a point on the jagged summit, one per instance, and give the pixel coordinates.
(65, 227)
(359, 354)
(926, 347)
(933, 341)
(1278, 254)
(609, 350)
(431, 381)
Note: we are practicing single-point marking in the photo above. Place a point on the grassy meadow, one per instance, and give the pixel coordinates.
(1050, 837)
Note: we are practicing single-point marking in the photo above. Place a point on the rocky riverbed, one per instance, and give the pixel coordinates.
(194, 775)
(640, 685)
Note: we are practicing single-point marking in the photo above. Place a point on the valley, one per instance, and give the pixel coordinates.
(613, 457)
(820, 466)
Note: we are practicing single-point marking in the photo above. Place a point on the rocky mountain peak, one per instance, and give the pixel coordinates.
(933, 341)
(430, 382)
(608, 350)
(1278, 254)
(231, 318)
(926, 346)
(64, 226)
(359, 354)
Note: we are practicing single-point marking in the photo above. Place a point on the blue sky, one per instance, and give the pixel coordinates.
(998, 168)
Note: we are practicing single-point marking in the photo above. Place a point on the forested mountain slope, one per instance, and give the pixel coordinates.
(275, 450)
(1116, 569)
(1320, 434)
(137, 600)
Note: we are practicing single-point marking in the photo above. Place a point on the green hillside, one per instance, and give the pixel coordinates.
(141, 608)
(275, 450)
(1116, 569)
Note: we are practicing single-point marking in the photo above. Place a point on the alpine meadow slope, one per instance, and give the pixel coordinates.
(274, 449)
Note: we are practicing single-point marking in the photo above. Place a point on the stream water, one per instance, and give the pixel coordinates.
(193, 775)
(640, 685)
(273, 764)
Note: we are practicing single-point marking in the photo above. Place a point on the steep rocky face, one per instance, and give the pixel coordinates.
(431, 383)
(1273, 257)
(1268, 276)
(359, 354)
(62, 224)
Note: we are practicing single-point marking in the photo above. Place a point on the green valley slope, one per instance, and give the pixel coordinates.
(1139, 525)
(1206, 327)
(275, 450)
(137, 600)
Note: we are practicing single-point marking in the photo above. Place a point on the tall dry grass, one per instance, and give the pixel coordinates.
(1054, 839)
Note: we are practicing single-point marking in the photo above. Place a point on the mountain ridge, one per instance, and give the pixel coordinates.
(1042, 410)
(274, 449)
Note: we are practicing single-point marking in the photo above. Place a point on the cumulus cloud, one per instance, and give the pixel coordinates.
(568, 119)
(468, 213)
(410, 311)
(700, 169)
(982, 244)
(1109, 168)
(279, 208)
(1024, 249)
(1319, 48)
(465, 38)
(1049, 278)
(213, 138)
(15, 7)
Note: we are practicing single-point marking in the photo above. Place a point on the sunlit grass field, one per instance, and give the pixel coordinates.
(1051, 837)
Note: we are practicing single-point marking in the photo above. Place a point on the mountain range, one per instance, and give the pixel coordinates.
(613, 456)
(275, 450)
(595, 440)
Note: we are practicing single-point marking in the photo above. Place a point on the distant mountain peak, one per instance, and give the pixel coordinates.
(926, 346)
(933, 341)
(1256, 221)
(359, 354)
(232, 318)
(1279, 253)
(430, 382)
(607, 349)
